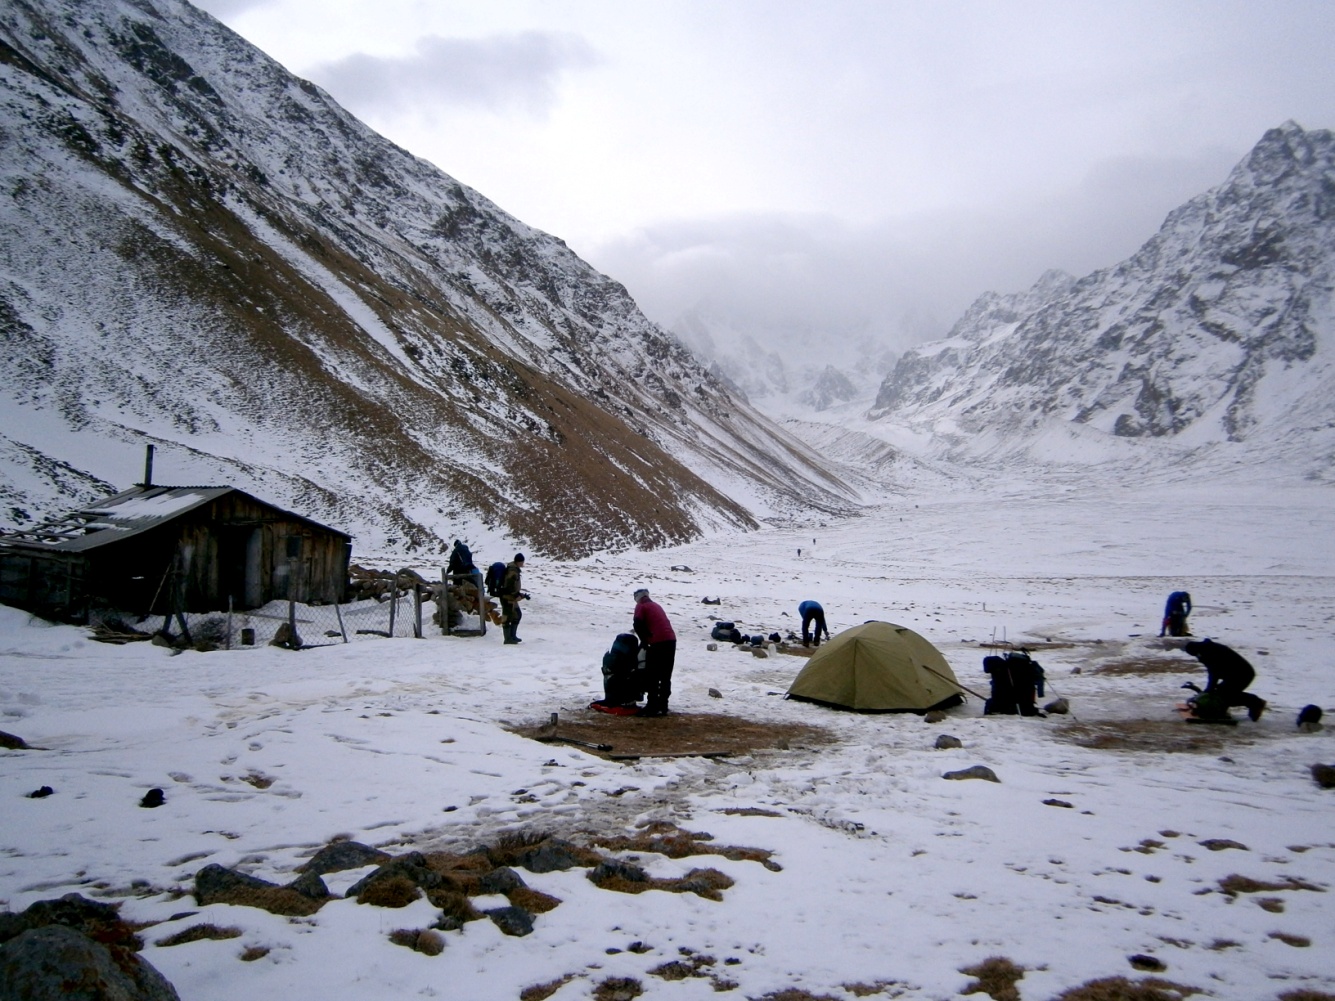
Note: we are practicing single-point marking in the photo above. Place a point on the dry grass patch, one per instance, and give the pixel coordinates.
(879, 987)
(197, 932)
(1121, 989)
(618, 989)
(676, 734)
(621, 877)
(795, 994)
(667, 839)
(423, 940)
(996, 977)
(1305, 994)
(393, 891)
(541, 992)
(274, 899)
(1234, 884)
(533, 901)
(253, 952)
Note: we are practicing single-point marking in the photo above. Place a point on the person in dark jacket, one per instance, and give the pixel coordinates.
(1175, 613)
(659, 641)
(512, 593)
(1229, 675)
(812, 613)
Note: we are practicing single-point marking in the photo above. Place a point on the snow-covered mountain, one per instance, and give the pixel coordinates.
(1216, 337)
(200, 251)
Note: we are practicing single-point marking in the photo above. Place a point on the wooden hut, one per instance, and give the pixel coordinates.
(164, 550)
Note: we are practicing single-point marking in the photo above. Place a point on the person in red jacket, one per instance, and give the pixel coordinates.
(659, 641)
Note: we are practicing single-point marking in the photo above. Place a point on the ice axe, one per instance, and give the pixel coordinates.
(551, 737)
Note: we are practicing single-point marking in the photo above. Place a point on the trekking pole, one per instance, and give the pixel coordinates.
(953, 682)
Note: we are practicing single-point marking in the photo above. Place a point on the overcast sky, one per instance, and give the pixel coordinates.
(837, 166)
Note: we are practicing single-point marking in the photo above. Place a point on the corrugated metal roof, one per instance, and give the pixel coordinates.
(125, 514)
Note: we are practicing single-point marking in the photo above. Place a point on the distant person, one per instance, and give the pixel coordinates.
(659, 642)
(1175, 614)
(461, 560)
(1229, 675)
(812, 614)
(511, 594)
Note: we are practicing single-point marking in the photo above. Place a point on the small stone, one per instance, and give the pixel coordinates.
(711, 646)
(945, 741)
(975, 772)
(714, 693)
(1324, 776)
(935, 716)
(41, 793)
(153, 798)
(759, 652)
(1058, 706)
(1057, 802)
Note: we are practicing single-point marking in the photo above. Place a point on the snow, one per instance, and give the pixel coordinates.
(889, 873)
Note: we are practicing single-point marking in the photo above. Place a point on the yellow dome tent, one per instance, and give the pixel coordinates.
(878, 667)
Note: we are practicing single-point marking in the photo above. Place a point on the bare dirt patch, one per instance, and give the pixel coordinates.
(1148, 666)
(677, 734)
(1170, 736)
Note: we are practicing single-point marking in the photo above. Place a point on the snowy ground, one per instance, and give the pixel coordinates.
(891, 877)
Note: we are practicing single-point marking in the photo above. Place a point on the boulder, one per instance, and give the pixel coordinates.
(12, 743)
(512, 920)
(57, 963)
(1058, 706)
(975, 772)
(341, 855)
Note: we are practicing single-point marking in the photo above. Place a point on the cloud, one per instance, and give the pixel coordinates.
(502, 73)
(788, 279)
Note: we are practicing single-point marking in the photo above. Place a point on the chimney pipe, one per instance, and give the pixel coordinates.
(148, 465)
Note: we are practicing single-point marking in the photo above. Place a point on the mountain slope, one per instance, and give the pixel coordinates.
(201, 251)
(1219, 332)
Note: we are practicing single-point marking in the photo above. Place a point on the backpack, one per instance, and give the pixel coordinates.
(1016, 681)
(495, 578)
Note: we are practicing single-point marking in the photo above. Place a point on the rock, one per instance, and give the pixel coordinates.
(341, 855)
(1058, 706)
(945, 740)
(309, 884)
(553, 855)
(215, 883)
(711, 646)
(759, 652)
(1058, 802)
(711, 601)
(41, 793)
(614, 870)
(57, 963)
(152, 798)
(975, 772)
(12, 743)
(935, 716)
(714, 693)
(512, 920)
(500, 880)
(1324, 776)
(75, 949)
(1222, 844)
(411, 866)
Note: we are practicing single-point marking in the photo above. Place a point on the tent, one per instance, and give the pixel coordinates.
(878, 667)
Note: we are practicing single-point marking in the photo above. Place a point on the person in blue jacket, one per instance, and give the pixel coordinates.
(1175, 614)
(812, 613)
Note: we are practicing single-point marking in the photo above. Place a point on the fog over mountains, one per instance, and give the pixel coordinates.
(202, 252)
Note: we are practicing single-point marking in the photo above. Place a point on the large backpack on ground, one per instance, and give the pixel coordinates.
(624, 681)
(495, 578)
(727, 632)
(1017, 681)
